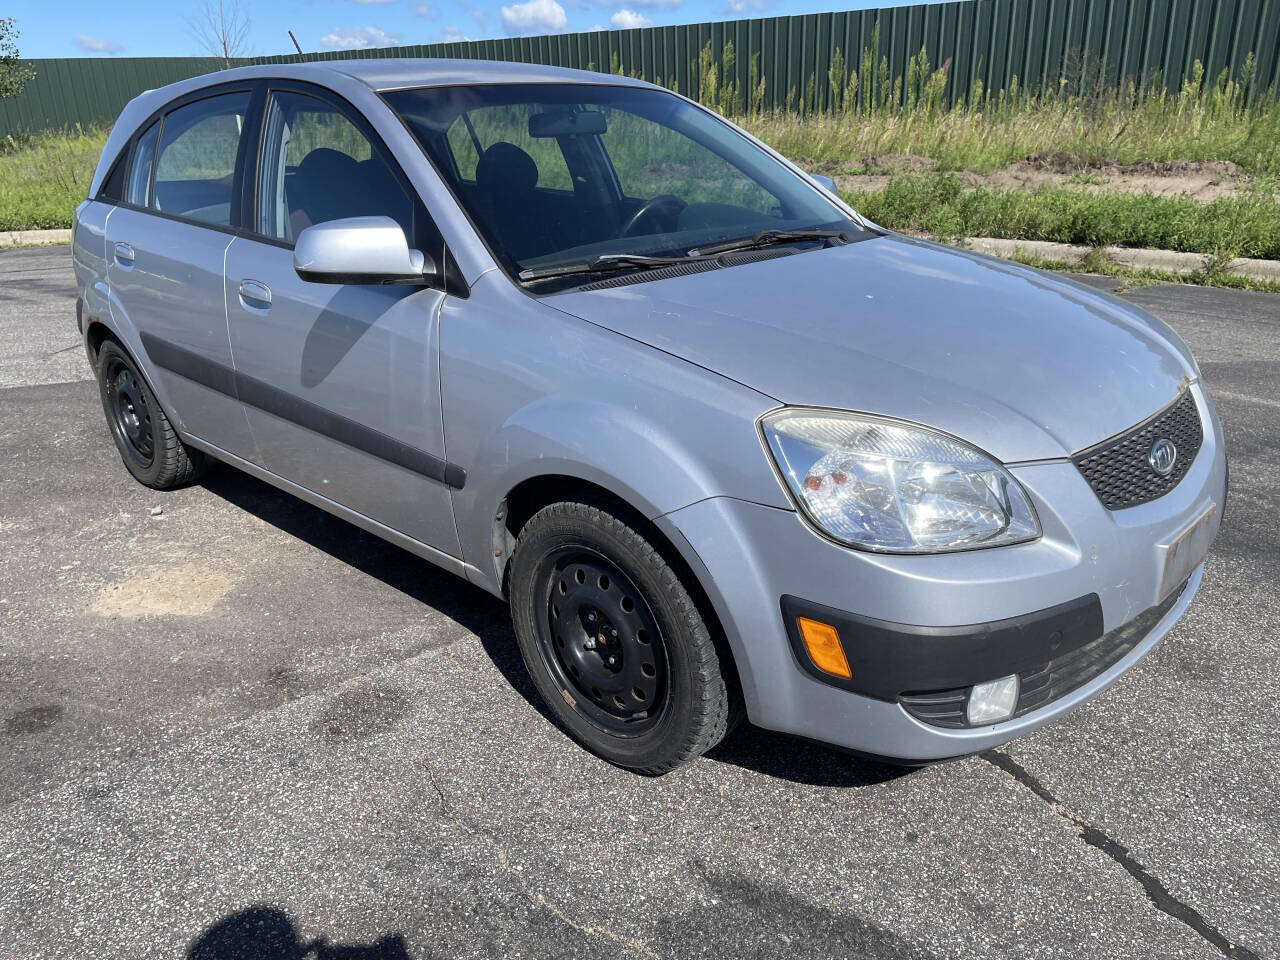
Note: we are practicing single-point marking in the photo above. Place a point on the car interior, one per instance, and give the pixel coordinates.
(546, 178)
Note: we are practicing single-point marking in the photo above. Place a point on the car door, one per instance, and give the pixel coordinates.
(339, 381)
(165, 245)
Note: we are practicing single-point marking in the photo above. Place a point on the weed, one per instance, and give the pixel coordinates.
(1244, 225)
(44, 176)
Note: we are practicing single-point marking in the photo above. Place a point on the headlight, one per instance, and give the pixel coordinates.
(888, 486)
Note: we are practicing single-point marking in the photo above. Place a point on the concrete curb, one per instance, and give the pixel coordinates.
(1167, 261)
(34, 238)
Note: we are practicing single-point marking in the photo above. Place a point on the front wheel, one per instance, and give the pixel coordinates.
(148, 444)
(615, 642)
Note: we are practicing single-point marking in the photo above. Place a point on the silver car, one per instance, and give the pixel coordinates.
(728, 449)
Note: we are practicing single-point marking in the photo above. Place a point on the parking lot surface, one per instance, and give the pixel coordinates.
(233, 726)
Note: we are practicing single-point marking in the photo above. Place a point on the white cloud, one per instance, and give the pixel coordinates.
(747, 6)
(595, 28)
(372, 3)
(535, 16)
(358, 38)
(640, 3)
(626, 19)
(96, 44)
(452, 34)
(480, 17)
(425, 10)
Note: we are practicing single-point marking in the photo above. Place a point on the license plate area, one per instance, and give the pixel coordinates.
(1185, 552)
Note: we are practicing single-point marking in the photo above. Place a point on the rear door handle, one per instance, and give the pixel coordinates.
(124, 254)
(255, 294)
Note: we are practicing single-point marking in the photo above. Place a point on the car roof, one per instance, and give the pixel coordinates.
(392, 73)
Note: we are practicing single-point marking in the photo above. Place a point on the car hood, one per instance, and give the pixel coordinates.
(1020, 363)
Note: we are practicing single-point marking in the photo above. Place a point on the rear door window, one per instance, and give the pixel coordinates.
(196, 158)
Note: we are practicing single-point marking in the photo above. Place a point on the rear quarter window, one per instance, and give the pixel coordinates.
(112, 188)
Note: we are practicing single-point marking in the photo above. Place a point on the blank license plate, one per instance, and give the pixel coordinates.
(1185, 553)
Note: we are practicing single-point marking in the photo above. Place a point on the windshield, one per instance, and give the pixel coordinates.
(563, 174)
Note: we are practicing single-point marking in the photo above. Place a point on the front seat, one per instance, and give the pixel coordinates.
(321, 188)
(507, 177)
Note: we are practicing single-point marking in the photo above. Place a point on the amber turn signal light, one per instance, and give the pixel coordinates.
(823, 643)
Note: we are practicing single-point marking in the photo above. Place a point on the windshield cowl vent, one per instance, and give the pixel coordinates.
(686, 269)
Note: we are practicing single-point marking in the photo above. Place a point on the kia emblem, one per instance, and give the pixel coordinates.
(1162, 456)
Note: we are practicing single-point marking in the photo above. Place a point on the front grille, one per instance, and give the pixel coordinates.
(1041, 684)
(1117, 469)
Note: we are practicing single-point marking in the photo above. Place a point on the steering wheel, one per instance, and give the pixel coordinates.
(651, 208)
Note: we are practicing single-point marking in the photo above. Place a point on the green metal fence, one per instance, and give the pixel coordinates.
(786, 62)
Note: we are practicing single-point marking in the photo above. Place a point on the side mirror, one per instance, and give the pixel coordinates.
(826, 182)
(360, 250)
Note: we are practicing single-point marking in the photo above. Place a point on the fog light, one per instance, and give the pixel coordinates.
(993, 701)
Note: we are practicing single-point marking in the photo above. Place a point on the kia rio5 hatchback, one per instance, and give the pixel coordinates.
(728, 449)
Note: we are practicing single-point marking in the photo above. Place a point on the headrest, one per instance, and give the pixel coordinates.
(505, 168)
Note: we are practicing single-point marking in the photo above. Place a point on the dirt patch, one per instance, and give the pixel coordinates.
(183, 590)
(898, 163)
(1202, 182)
(866, 169)
(1199, 181)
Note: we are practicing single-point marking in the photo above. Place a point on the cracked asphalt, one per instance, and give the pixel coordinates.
(241, 728)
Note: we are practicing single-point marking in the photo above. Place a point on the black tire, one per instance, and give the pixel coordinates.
(586, 586)
(148, 444)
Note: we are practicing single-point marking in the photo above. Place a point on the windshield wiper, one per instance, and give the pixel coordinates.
(608, 262)
(604, 263)
(767, 238)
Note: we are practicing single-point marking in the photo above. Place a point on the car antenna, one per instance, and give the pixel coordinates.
(295, 43)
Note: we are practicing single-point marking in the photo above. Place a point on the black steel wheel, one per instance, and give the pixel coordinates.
(148, 444)
(128, 410)
(601, 640)
(615, 642)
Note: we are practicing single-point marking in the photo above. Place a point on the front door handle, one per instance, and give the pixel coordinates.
(255, 294)
(124, 254)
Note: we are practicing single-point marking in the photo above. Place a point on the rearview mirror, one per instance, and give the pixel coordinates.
(359, 250)
(564, 123)
(825, 182)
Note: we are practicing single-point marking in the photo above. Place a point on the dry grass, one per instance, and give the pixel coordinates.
(1203, 122)
(44, 176)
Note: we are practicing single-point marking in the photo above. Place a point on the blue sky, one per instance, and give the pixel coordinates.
(148, 28)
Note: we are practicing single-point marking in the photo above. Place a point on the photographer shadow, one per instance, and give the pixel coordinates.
(266, 933)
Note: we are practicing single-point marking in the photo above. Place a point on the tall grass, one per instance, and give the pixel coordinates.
(858, 112)
(44, 176)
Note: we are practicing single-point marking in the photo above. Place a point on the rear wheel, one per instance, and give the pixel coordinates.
(148, 444)
(614, 641)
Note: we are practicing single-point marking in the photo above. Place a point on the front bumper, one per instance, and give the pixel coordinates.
(750, 556)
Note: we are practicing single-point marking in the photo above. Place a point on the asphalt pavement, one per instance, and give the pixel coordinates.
(233, 726)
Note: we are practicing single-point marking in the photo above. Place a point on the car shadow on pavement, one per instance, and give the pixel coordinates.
(265, 933)
(801, 761)
(752, 748)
